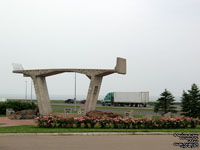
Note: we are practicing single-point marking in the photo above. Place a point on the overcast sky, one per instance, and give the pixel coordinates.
(159, 38)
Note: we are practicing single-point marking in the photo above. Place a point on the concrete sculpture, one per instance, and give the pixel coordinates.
(95, 75)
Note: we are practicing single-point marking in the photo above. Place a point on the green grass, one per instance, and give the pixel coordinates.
(138, 115)
(104, 107)
(1, 115)
(156, 117)
(58, 101)
(124, 108)
(122, 114)
(34, 129)
(62, 111)
(58, 111)
(64, 106)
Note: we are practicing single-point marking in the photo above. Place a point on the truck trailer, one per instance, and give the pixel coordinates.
(131, 99)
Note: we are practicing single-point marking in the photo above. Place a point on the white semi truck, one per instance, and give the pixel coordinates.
(126, 99)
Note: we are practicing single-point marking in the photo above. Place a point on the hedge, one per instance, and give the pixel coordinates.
(116, 123)
(16, 106)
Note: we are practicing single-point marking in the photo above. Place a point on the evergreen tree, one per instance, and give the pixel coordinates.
(191, 102)
(165, 103)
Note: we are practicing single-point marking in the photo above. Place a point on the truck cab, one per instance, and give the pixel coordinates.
(109, 99)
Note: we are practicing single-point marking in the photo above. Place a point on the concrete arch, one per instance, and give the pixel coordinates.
(95, 75)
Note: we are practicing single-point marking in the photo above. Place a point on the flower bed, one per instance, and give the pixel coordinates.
(116, 123)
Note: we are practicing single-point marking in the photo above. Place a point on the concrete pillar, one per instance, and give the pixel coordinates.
(121, 66)
(93, 93)
(42, 95)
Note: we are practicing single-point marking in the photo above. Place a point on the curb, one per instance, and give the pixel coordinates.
(92, 134)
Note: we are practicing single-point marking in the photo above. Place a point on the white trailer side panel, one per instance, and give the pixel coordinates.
(131, 97)
(144, 97)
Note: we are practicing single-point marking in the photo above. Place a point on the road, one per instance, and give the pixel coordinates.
(120, 142)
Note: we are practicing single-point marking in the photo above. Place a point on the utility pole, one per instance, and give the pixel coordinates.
(75, 91)
(31, 91)
(26, 90)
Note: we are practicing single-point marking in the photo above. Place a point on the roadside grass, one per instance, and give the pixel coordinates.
(104, 107)
(138, 115)
(62, 111)
(1, 115)
(58, 101)
(62, 102)
(122, 114)
(58, 110)
(135, 115)
(64, 106)
(125, 108)
(156, 117)
(35, 129)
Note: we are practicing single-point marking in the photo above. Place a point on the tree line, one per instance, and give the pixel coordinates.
(190, 102)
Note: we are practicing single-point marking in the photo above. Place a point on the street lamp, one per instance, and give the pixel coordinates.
(31, 91)
(75, 91)
(25, 89)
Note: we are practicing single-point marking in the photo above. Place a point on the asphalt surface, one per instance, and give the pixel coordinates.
(123, 142)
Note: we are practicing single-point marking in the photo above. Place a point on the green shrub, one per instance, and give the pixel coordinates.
(16, 106)
(2, 107)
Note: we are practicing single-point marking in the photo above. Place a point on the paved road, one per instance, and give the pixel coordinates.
(123, 142)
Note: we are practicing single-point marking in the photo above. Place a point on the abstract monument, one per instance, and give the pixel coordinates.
(95, 75)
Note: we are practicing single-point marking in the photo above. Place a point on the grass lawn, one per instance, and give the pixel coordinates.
(58, 101)
(104, 107)
(138, 115)
(34, 129)
(58, 111)
(122, 114)
(62, 111)
(125, 108)
(64, 106)
(135, 115)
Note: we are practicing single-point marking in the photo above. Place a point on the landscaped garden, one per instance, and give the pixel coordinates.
(97, 121)
(116, 122)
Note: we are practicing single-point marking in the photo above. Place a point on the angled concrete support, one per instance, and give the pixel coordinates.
(93, 93)
(121, 66)
(42, 95)
(95, 75)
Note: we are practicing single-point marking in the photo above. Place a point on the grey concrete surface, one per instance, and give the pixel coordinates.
(123, 142)
(42, 94)
(95, 75)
